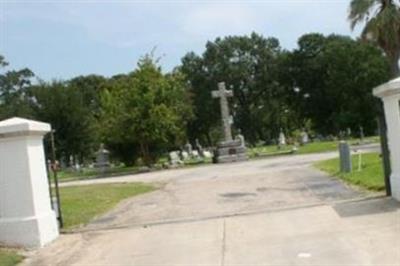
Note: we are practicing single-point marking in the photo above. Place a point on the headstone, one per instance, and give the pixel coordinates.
(71, 162)
(361, 135)
(228, 150)
(304, 137)
(63, 164)
(294, 149)
(199, 147)
(26, 216)
(348, 133)
(77, 167)
(207, 154)
(195, 154)
(174, 159)
(188, 148)
(242, 141)
(184, 155)
(102, 159)
(345, 157)
(282, 139)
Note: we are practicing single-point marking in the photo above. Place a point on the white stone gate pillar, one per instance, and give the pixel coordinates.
(390, 95)
(26, 217)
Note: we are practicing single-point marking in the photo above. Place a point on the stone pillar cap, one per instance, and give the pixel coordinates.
(388, 89)
(20, 127)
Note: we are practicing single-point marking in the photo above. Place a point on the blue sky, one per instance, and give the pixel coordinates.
(63, 39)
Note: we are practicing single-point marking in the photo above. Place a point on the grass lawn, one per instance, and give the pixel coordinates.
(272, 150)
(88, 173)
(9, 257)
(370, 176)
(82, 203)
(313, 147)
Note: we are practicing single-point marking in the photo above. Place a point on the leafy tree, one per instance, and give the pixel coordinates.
(91, 87)
(145, 112)
(204, 107)
(14, 99)
(3, 62)
(337, 75)
(250, 67)
(382, 27)
(65, 109)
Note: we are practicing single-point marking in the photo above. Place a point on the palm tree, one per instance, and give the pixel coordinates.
(381, 20)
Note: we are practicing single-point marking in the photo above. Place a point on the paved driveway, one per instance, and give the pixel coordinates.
(276, 211)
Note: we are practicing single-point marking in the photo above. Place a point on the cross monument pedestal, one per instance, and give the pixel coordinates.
(228, 150)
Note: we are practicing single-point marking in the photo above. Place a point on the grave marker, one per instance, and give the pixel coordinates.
(228, 150)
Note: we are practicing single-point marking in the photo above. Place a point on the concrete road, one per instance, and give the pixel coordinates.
(263, 165)
(276, 211)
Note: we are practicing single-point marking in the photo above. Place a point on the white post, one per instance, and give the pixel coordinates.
(392, 114)
(26, 217)
(390, 95)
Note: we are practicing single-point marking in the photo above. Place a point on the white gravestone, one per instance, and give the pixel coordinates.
(282, 139)
(304, 137)
(174, 159)
(242, 141)
(184, 155)
(188, 148)
(26, 217)
(207, 154)
(195, 154)
(390, 95)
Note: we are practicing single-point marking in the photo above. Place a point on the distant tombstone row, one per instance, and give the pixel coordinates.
(178, 157)
(347, 134)
(189, 152)
(101, 162)
(303, 138)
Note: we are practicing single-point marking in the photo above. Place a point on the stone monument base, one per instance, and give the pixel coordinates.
(230, 151)
(32, 232)
(395, 184)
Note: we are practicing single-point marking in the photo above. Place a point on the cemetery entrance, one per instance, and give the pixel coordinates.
(275, 209)
(229, 189)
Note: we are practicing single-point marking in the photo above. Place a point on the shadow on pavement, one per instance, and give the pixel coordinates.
(366, 207)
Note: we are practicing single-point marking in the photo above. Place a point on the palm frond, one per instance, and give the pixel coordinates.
(388, 23)
(360, 11)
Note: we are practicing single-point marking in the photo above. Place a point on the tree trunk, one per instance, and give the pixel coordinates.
(394, 65)
(144, 150)
(209, 140)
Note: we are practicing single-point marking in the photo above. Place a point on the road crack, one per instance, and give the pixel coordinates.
(223, 246)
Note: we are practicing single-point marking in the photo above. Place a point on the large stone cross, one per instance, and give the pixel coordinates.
(222, 93)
